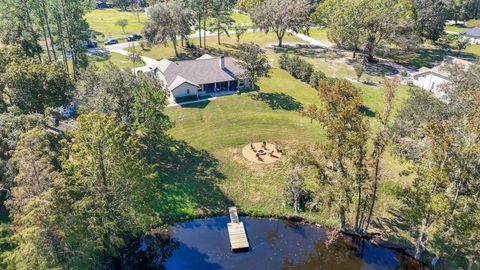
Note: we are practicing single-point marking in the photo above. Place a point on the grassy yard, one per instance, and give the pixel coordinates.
(206, 171)
(474, 49)
(473, 23)
(241, 18)
(321, 35)
(220, 128)
(228, 45)
(119, 60)
(223, 126)
(455, 28)
(103, 22)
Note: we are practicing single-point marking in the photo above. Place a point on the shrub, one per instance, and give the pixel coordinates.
(297, 67)
(185, 99)
(359, 69)
(316, 77)
(301, 69)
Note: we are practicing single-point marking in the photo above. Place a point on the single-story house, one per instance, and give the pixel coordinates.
(472, 35)
(434, 79)
(201, 76)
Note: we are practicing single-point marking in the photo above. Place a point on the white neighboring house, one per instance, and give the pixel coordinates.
(202, 76)
(472, 35)
(434, 79)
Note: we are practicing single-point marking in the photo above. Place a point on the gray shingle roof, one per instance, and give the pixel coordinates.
(473, 32)
(203, 71)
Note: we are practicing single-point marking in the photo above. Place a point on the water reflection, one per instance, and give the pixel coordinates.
(275, 244)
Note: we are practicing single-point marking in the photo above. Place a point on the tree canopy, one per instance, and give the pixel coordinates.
(278, 16)
(368, 24)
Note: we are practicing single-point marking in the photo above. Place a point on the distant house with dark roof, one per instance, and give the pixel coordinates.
(201, 76)
(472, 35)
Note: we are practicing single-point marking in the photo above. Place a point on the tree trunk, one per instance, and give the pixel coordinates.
(205, 14)
(359, 201)
(375, 188)
(70, 41)
(174, 42)
(49, 31)
(46, 42)
(280, 35)
(296, 204)
(342, 219)
(60, 37)
(370, 49)
(421, 239)
(200, 29)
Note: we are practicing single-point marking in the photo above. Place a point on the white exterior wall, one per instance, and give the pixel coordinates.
(432, 82)
(471, 40)
(181, 90)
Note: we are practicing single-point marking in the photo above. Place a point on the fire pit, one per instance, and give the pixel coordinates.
(262, 152)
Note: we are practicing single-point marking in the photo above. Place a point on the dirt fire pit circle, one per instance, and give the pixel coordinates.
(255, 152)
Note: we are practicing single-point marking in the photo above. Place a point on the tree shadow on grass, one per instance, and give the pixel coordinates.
(196, 52)
(392, 225)
(366, 111)
(375, 69)
(188, 183)
(198, 105)
(311, 51)
(425, 57)
(278, 101)
(100, 56)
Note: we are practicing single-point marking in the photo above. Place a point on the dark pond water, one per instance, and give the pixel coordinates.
(275, 244)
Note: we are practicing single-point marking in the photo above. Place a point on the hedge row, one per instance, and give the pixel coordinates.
(301, 69)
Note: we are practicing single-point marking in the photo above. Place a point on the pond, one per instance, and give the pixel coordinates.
(274, 244)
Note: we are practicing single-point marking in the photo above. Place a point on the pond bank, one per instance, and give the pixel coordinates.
(275, 244)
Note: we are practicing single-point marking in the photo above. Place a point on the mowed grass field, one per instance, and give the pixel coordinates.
(103, 22)
(223, 126)
(217, 130)
(227, 46)
(321, 35)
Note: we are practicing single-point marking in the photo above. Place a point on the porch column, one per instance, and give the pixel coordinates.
(215, 90)
(228, 86)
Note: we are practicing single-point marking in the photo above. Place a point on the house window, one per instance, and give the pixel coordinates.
(242, 83)
(199, 90)
(188, 91)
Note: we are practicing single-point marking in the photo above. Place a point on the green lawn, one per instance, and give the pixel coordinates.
(473, 23)
(321, 35)
(427, 56)
(120, 60)
(474, 49)
(241, 18)
(103, 22)
(455, 28)
(223, 126)
(228, 45)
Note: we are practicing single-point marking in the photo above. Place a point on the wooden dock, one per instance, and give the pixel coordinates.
(236, 231)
